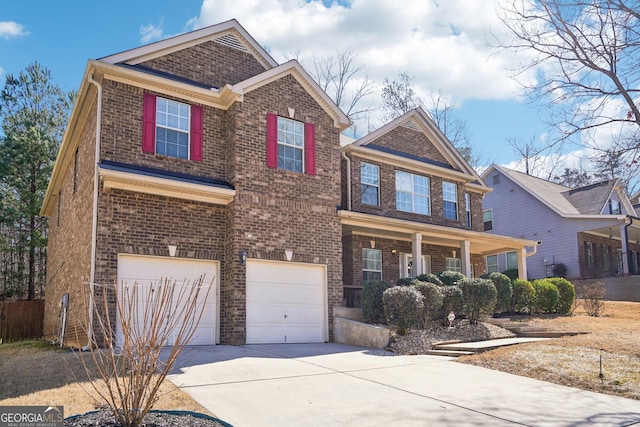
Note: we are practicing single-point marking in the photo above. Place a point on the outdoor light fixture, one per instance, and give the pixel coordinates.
(172, 250)
(243, 257)
(393, 251)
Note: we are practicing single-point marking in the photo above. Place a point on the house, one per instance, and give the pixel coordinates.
(409, 195)
(591, 230)
(199, 154)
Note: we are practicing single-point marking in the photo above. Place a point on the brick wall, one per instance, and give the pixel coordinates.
(122, 134)
(387, 190)
(277, 209)
(411, 142)
(604, 247)
(209, 63)
(69, 250)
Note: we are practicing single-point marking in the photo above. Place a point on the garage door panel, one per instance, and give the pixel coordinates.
(286, 302)
(154, 272)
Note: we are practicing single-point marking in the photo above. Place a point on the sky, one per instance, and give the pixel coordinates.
(442, 44)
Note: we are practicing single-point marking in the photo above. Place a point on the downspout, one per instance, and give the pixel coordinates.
(94, 226)
(348, 161)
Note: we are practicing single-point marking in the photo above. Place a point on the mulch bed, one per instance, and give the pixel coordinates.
(104, 418)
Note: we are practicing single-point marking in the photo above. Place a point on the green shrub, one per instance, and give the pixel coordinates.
(512, 273)
(430, 277)
(450, 278)
(504, 289)
(372, 307)
(405, 281)
(479, 296)
(546, 298)
(433, 298)
(402, 307)
(566, 294)
(523, 296)
(451, 301)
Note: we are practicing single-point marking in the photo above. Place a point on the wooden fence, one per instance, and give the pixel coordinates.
(21, 320)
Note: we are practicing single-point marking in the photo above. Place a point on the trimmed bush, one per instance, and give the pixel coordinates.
(504, 289)
(450, 278)
(512, 273)
(566, 294)
(405, 281)
(433, 298)
(546, 298)
(431, 278)
(451, 301)
(479, 297)
(523, 296)
(403, 307)
(372, 306)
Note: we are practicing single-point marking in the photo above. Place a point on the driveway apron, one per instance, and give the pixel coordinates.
(341, 385)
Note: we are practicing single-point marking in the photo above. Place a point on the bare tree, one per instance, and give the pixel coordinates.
(584, 55)
(398, 97)
(127, 374)
(574, 177)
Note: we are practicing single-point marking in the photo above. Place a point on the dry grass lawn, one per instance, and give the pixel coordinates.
(35, 373)
(575, 360)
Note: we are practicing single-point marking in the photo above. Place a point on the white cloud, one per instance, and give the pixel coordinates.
(149, 33)
(443, 45)
(10, 29)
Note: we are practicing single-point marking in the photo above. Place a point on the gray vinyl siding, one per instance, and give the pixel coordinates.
(517, 213)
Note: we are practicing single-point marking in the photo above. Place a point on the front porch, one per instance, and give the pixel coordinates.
(381, 248)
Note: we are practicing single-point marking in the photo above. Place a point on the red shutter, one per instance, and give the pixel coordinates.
(149, 123)
(310, 148)
(272, 140)
(196, 132)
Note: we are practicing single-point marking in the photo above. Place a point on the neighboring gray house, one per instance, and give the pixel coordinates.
(592, 230)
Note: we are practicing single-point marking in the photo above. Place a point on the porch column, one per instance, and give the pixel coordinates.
(522, 263)
(417, 254)
(465, 257)
(625, 249)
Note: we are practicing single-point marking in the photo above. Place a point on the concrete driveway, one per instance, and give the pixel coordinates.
(340, 385)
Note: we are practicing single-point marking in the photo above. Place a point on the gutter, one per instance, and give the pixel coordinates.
(94, 226)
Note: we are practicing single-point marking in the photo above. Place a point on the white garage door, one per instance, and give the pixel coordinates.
(286, 302)
(147, 270)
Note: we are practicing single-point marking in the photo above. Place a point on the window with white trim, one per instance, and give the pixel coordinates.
(453, 264)
(406, 265)
(487, 220)
(512, 260)
(173, 122)
(450, 200)
(370, 184)
(371, 265)
(492, 263)
(467, 209)
(412, 193)
(614, 207)
(290, 145)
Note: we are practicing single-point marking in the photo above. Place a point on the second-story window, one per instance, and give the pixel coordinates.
(172, 128)
(450, 200)
(370, 184)
(412, 193)
(487, 220)
(467, 209)
(290, 145)
(614, 207)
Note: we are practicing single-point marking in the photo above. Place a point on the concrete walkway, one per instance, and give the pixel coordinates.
(340, 385)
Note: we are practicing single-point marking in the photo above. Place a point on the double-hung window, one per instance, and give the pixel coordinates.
(492, 263)
(487, 220)
(450, 200)
(290, 145)
(512, 260)
(371, 265)
(370, 184)
(172, 128)
(412, 193)
(467, 209)
(453, 264)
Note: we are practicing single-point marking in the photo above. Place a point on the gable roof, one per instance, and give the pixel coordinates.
(229, 33)
(567, 202)
(418, 120)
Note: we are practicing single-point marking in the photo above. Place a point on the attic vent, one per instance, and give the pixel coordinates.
(231, 41)
(411, 125)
